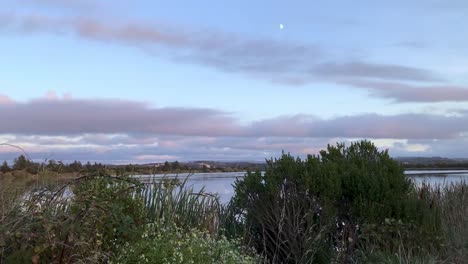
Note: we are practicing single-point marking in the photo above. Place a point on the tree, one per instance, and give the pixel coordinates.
(166, 166)
(76, 166)
(129, 168)
(5, 168)
(176, 165)
(21, 163)
(52, 165)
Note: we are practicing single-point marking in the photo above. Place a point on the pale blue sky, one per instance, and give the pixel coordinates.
(351, 58)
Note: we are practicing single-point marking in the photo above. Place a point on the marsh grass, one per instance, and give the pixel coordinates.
(173, 201)
(451, 205)
(452, 202)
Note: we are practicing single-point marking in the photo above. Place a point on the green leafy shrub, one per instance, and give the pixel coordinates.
(326, 199)
(283, 219)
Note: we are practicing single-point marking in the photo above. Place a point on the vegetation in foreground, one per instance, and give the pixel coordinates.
(347, 205)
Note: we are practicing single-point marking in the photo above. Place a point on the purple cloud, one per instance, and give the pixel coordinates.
(286, 62)
(119, 118)
(400, 92)
(404, 126)
(75, 116)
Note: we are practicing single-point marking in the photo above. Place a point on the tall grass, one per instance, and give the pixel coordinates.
(170, 201)
(452, 201)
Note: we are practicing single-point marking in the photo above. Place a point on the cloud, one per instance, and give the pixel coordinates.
(5, 100)
(281, 62)
(375, 71)
(113, 131)
(222, 148)
(403, 126)
(412, 93)
(118, 118)
(75, 116)
(278, 61)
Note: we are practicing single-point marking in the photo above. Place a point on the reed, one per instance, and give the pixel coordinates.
(172, 201)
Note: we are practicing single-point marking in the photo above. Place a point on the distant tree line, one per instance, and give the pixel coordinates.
(22, 163)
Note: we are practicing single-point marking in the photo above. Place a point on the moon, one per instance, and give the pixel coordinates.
(281, 26)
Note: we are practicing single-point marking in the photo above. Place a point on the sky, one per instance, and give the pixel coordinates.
(148, 81)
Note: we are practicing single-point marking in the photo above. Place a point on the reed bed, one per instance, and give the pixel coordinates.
(172, 201)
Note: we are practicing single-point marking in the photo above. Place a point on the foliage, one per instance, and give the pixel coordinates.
(22, 163)
(325, 199)
(163, 243)
(50, 227)
(5, 168)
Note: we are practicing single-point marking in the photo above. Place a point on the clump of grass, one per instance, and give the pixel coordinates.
(172, 201)
(452, 201)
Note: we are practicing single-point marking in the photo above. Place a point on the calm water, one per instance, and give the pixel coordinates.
(221, 182)
(438, 177)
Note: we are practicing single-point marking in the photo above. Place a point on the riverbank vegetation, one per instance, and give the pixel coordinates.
(22, 165)
(346, 205)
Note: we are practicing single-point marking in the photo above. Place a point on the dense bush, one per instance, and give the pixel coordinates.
(302, 211)
(49, 227)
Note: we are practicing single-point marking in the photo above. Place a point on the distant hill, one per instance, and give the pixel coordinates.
(433, 162)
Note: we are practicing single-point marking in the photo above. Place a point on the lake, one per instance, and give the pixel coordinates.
(221, 182)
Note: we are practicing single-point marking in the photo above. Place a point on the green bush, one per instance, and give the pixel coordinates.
(169, 244)
(283, 221)
(311, 211)
(48, 227)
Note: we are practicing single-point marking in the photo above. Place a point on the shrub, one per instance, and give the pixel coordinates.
(50, 227)
(303, 211)
(170, 244)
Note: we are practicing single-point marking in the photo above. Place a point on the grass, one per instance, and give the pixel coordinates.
(173, 201)
(452, 201)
